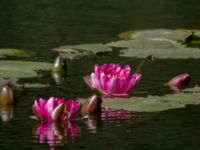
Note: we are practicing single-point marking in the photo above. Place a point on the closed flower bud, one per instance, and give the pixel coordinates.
(92, 105)
(6, 96)
(60, 64)
(179, 82)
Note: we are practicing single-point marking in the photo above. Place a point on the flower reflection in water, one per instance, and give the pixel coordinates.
(56, 134)
(6, 113)
(109, 115)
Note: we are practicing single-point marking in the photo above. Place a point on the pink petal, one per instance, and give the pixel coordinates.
(50, 106)
(97, 70)
(132, 82)
(88, 81)
(72, 107)
(96, 83)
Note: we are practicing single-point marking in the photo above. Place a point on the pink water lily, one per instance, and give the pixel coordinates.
(112, 79)
(179, 82)
(55, 109)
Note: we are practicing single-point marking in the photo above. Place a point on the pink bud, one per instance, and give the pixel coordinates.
(179, 82)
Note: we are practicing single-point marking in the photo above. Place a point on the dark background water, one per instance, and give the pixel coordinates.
(45, 24)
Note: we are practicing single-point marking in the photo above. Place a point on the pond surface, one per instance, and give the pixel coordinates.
(43, 25)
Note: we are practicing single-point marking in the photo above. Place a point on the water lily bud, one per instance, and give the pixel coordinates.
(92, 105)
(60, 64)
(179, 82)
(6, 96)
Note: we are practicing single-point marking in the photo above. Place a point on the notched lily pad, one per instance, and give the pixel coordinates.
(16, 52)
(74, 51)
(153, 103)
(160, 43)
(21, 69)
(175, 35)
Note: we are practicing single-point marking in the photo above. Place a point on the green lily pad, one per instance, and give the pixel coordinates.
(195, 89)
(74, 51)
(21, 69)
(175, 35)
(16, 52)
(153, 103)
(160, 48)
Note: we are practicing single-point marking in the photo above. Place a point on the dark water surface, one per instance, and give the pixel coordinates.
(45, 24)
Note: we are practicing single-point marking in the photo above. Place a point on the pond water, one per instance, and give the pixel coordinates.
(43, 25)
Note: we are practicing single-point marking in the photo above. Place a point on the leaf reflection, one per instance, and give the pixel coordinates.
(55, 134)
(58, 77)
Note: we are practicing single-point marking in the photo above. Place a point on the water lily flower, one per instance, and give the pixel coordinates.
(55, 109)
(112, 79)
(179, 82)
(55, 134)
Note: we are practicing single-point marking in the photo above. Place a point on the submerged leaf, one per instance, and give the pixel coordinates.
(21, 69)
(36, 86)
(10, 81)
(16, 52)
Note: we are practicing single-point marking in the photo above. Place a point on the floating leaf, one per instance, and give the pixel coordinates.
(21, 69)
(161, 48)
(196, 89)
(16, 52)
(74, 51)
(153, 103)
(175, 35)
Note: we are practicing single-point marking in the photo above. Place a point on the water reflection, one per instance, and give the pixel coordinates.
(6, 113)
(110, 115)
(58, 77)
(55, 134)
(107, 116)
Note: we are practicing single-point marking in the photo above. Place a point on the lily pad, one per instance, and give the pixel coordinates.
(21, 69)
(73, 51)
(196, 89)
(153, 103)
(160, 48)
(16, 52)
(175, 35)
